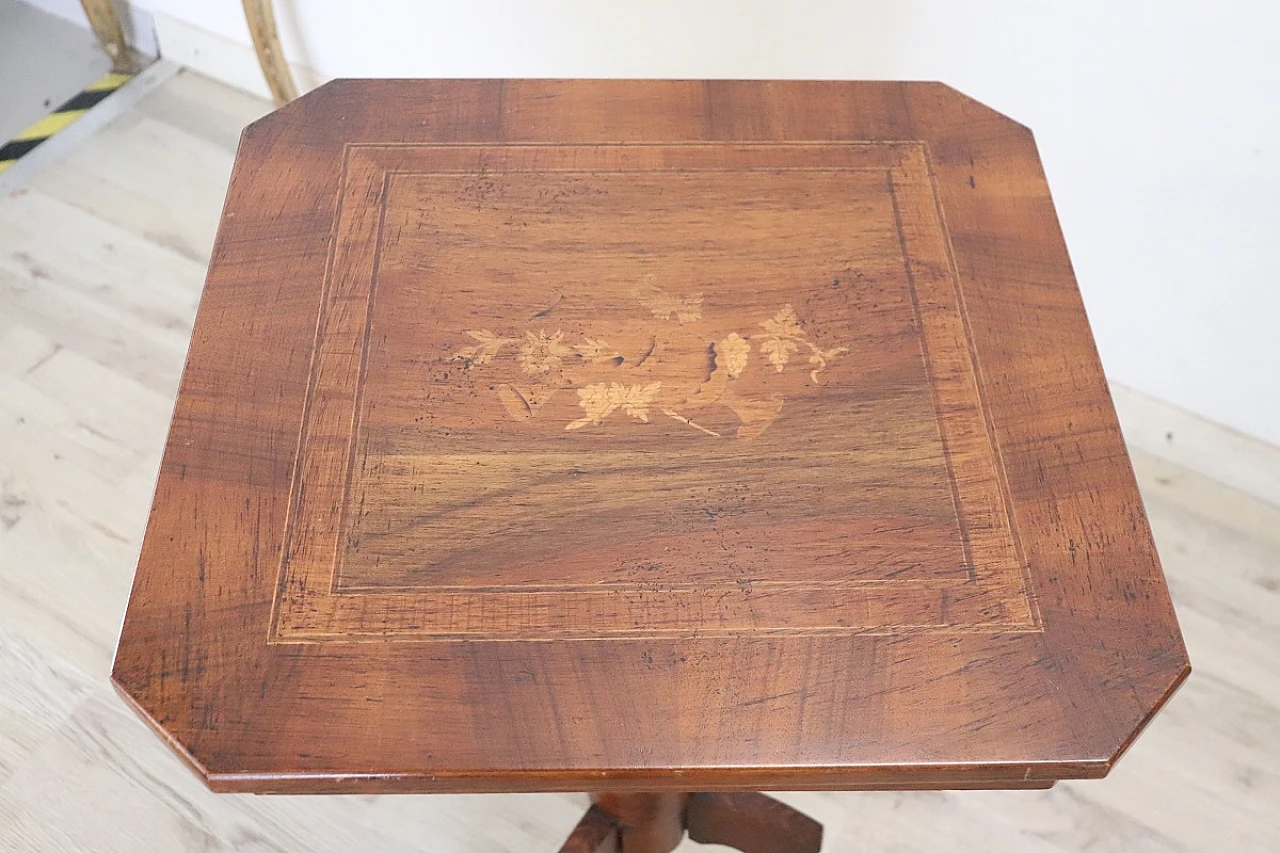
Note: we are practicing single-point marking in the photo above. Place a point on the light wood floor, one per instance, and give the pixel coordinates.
(101, 263)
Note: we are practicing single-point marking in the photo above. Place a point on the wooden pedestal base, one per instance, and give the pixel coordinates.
(656, 823)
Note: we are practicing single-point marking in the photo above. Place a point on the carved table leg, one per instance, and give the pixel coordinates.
(655, 823)
(650, 823)
(595, 833)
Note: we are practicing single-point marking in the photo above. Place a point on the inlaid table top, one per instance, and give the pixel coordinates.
(615, 435)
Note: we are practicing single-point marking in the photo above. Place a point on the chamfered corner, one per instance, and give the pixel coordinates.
(136, 701)
(972, 106)
(1175, 683)
(295, 114)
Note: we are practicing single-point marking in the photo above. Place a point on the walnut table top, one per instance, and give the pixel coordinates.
(653, 436)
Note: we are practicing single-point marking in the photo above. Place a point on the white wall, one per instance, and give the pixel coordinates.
(136, 23)
(1158, 123)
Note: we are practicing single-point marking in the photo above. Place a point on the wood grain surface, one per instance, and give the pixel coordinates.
(675, 435)
(654, 434)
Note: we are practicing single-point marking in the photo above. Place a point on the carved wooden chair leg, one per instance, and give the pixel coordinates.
(752, 823)
(106, 26)
(595, 833)
(261, 17)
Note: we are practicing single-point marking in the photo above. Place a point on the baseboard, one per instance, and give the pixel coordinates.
(69, 138)
(1241, 461)
(221, 58)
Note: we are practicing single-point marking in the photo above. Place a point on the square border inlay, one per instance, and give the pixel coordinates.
(308, 606)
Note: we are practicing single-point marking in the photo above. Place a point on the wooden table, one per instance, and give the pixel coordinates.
(645, 438)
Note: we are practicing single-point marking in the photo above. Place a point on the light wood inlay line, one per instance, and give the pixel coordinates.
(320, 599)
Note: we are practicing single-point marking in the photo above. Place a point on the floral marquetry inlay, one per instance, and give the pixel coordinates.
(658, 365)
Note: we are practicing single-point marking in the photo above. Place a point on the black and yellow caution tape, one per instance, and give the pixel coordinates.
(59, 118)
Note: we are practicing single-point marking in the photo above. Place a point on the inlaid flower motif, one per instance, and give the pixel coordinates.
(488, 345)
(552, 363)
(542, 353)
(668, 306)
(604, 398)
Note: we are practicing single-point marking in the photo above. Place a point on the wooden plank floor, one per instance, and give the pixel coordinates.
(101, 263)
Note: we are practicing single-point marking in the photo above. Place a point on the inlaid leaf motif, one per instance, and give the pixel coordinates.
(731, 354)
(601, 399)
(541, 352)
(781, 332)
(596, 351)
(784, 324)
(488, 345)
(668, 306)
(636, 399)
(778, 351)
(595, 401)
(784, 335)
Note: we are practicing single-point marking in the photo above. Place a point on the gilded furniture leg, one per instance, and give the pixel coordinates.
(106, 26)
(266, 41)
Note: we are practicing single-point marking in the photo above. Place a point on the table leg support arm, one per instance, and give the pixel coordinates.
(752, 823)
